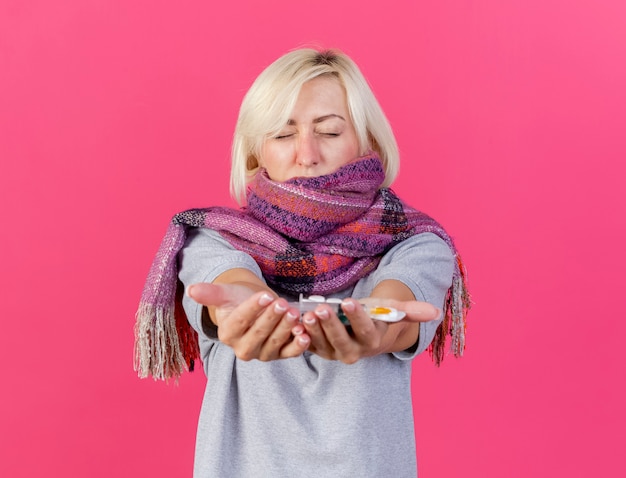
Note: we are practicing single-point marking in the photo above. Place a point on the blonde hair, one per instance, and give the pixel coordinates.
(268, 103)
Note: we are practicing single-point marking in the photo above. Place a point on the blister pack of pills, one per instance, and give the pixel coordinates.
(383, 313)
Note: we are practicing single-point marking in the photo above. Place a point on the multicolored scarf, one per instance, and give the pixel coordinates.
(309, 235)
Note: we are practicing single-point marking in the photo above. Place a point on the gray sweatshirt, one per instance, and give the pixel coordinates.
(308, 416)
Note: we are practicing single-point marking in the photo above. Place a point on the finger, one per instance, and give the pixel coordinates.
(421, 312)
(277, 329)
(219, 295)
(335, 331)
(368, 333)
(267, 314)
(236, 322)
(312, 328)
(416, 311)
(296, 347)
(332, 339)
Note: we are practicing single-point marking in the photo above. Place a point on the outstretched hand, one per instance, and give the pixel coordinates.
(255, 324)
(365, 337)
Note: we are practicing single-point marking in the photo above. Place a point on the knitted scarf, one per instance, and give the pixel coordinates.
(309, 235)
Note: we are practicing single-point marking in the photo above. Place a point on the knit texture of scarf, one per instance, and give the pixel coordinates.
(309, 235)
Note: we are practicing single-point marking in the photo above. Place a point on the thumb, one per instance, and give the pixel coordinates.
(417, 311)
(218, 295)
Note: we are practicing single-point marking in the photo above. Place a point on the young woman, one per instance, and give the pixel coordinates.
(326, 391)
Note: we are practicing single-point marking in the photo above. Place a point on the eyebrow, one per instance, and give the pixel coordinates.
(320, 119)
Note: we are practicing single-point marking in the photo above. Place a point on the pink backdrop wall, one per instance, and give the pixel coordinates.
(510, 117)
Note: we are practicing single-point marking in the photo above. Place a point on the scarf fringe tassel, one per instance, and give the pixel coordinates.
(456, 306)
(162, 349)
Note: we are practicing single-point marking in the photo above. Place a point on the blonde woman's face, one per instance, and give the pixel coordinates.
(319, 136)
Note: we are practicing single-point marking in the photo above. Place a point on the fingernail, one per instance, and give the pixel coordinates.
(291, 316)
(188, 290)
(347, 306)
(322, 314)
(439, 313)
(303, 340)
(265, 299)
(309, 320)
(280, 308)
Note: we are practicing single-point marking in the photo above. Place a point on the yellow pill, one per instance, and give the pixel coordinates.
(380, 310)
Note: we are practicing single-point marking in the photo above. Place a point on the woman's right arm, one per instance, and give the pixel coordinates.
(228, 300)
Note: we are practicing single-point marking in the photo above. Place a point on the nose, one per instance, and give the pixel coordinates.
(307, 153)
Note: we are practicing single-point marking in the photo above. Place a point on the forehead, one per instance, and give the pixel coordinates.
(323, 95)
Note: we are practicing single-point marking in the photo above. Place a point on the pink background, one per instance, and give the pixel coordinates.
(510, 117)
